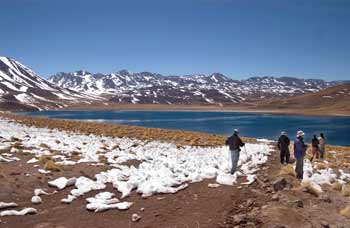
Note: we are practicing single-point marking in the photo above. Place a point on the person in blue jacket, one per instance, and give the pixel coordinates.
(299, 154)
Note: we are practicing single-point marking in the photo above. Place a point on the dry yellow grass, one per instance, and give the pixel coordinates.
(333, 165)
(18, 145)
(43, 159)
(74, 156)
(14, 139)
(345, 212)
(43, 145)
(345, 190)
(321, 166)
(52, 166)
(5, 150)
(307, 187)
(337, 186)
(116, 146)
(102, 159)
(288, 170)
(2, 175)
(55, 152)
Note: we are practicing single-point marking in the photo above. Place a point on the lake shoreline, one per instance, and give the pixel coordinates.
(202, 108)
(180, 137)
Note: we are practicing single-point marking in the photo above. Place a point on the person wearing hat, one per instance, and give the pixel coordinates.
(235, 143)
(283, 146)
(299, 154)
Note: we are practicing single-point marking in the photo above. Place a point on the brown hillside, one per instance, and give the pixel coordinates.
(333, 100)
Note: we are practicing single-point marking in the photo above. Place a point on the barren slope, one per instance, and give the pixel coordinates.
(333, 100)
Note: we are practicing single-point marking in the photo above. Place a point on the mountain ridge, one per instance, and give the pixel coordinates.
(143, 87)
(24, 89)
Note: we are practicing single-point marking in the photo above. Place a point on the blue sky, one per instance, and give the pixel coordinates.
(308, 39)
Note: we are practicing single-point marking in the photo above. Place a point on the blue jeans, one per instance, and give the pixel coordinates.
(234, 160)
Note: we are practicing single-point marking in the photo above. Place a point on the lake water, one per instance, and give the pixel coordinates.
(268, 126)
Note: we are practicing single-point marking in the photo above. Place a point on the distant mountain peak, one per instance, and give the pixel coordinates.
(124, 72)
(81, 72)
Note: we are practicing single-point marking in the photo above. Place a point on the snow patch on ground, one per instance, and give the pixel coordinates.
(322, 176)
(164, 168)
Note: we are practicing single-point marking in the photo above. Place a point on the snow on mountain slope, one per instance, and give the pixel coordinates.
(24, 89)
(145, 87)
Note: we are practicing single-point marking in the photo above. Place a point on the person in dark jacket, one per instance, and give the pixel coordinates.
(322, 145)
(299, 154)
(314, 149)
(235, 143)
(283, 146)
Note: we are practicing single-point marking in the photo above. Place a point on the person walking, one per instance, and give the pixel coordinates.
(322, 145)
(299, 154)
(283, 146)
(235, 143)
(314, 148)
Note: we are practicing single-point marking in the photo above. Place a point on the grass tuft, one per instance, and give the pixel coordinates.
(102, 159)
(288, 170)
(337, 186)
(43, 145)
(345, 190)
(345, 212)
(321, 166)
(307, 187)
(44, 158)
(52, 166)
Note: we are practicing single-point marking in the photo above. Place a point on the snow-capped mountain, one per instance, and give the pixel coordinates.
(23, 89)
(146, 87)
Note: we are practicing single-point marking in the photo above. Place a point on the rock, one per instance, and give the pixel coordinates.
(135, 217)
(278, 226)
(326, 199)
(325, 224)
(275, 197)
(249, 202)
(213, 185)
(269, 190)
(298, 203)
(279, 184)
(239, 218)
(36, 200)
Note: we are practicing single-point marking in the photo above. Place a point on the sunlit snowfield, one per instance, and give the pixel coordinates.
(336, 129)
